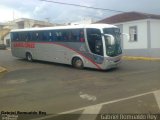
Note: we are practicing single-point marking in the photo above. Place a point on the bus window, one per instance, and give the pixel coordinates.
(33, 36)
(95, 41)
(36, 36)
(51, 36)
(19, 37)
(45, 36)
(22, 36)
(28, 36)
(15, 36)
(69, 35)
(25, 36)
(74, 35)
(66, 35)
(40, 36)
(81, 36)
(58, 35)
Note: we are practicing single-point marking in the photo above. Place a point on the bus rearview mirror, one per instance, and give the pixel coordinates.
(110, 39)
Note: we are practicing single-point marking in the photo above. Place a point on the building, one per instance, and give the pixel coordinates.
(19, 24)
(1, 32)
(22, 23)
(144, 31)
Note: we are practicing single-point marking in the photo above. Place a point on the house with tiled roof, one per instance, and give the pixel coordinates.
(144, 31)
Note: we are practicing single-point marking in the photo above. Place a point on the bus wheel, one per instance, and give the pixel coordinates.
(77, 63)
(29, 57)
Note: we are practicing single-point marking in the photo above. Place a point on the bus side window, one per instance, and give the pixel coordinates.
(65, 35)
(40, 36)
(29, 36)
(58, 35)
(25, 36)
(70, 36)
(78, 35)
(50, 36)
(74, 35)
(81, 36)
(34, 37)
(45, 36)
(15, 36)
(37, 35)
(22, 36)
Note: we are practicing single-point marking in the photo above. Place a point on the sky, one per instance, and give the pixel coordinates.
(58, 13)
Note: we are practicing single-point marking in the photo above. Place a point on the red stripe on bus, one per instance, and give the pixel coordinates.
(74, 51)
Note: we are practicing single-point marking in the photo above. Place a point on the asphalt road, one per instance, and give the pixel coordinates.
(56, 88)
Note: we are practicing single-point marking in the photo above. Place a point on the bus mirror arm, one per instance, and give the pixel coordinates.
(110, 39)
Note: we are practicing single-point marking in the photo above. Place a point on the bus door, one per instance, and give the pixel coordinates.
(95, 41)
(95, 44)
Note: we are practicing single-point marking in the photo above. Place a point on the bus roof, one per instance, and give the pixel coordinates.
(66, 27)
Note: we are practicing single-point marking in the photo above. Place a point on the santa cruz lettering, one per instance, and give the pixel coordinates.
(24, 45)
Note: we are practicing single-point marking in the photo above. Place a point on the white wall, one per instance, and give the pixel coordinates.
(155, 33)
(6, 37)
(142, 41)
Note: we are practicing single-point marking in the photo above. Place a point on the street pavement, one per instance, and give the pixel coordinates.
(57, 89)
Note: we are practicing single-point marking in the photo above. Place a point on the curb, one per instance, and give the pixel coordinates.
(140, 58)
(2, 69)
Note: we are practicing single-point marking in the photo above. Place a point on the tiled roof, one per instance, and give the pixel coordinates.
(128, 16)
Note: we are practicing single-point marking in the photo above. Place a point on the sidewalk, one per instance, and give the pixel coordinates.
(2, 69)
(140, 58)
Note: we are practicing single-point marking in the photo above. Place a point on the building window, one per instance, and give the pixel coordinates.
(133, 33)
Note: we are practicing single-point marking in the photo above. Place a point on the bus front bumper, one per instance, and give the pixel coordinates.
(111, 63)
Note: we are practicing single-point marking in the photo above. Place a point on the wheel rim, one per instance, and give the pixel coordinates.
(78, 63)
(29, 57)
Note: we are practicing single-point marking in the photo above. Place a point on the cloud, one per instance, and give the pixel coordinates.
(36, 9)
(10, 14)
(41, 10)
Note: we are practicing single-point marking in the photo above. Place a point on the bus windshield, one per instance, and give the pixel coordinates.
(113, 50)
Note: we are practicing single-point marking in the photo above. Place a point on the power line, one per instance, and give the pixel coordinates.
(104, 9)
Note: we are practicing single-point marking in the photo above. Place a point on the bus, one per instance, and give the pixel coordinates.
(91, 45)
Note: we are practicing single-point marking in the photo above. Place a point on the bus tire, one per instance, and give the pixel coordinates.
(77, 63)
(29, 57)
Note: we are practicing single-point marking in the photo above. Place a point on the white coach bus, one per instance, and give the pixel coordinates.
(92, 45)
